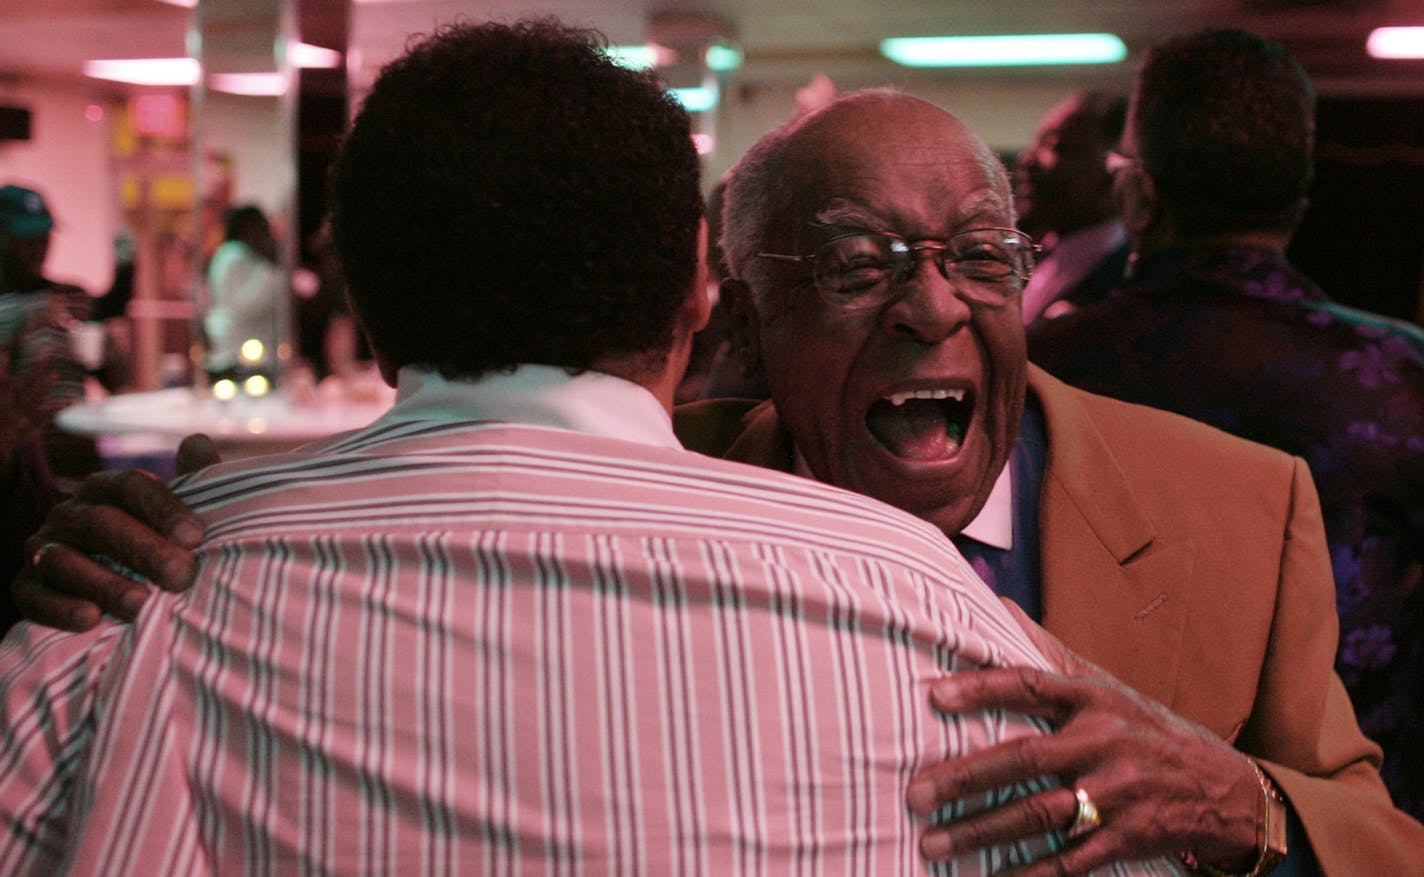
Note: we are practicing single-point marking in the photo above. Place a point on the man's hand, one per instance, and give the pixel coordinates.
(1162, 785)
(129, 517)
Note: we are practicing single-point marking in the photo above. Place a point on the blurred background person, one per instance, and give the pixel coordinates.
(43, 327)
(111, 310)
(247, 295)
(1064, 195)
(328, 340)
(1215, 324)
(40, 374)
(27, 486)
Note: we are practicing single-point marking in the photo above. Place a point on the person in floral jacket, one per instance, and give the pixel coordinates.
(1213, 322)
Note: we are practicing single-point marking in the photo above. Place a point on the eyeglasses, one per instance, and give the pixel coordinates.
(864, 270)
(1117, 161)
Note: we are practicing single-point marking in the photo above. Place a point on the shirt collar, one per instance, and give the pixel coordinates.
(538, 395)
(1093, 242)
(1072, 259)
(994, 525)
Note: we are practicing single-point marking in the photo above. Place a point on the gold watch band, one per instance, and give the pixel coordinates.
(1271, 827)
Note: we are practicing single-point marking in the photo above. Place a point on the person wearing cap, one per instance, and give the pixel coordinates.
(38, 376)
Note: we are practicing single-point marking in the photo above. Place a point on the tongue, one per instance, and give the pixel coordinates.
(916, 430)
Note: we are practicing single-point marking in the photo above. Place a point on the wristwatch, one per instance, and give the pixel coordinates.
(1271, 826)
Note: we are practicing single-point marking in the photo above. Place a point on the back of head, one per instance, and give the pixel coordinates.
(509, 195)
(245, 222)
(1224, 123)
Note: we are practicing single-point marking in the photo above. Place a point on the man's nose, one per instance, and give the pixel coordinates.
(929, 307)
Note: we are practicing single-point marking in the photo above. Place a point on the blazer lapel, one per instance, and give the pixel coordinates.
(1115, 588)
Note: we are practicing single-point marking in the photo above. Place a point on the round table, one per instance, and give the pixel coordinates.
(146, 424)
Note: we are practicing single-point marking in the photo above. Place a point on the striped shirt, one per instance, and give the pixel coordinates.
(453, 644)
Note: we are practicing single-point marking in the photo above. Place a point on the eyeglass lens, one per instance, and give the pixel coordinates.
(863, 269)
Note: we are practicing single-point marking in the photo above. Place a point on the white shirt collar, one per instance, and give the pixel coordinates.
(1071, 260)
(604, 405)
(994, 525)
(539, 395)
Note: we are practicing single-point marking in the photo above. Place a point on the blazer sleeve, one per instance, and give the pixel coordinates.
(1303, 717)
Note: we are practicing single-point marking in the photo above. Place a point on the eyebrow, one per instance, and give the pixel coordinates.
(844, 215)
(848, 216)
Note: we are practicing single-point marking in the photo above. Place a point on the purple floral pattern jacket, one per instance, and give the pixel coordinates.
(1239, 339)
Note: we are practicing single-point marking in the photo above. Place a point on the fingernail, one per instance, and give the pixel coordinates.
(131, 602)
(177, 576)
(920, 796)
(187, 533)
(81, 619)
(944, 695)
(936, 845)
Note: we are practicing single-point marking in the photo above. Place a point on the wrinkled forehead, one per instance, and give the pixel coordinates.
(903, 164)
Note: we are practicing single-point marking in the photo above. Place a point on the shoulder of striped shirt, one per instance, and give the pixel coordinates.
(690, 492)
(456, 445)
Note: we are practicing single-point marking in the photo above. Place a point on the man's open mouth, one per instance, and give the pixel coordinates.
(921, 424)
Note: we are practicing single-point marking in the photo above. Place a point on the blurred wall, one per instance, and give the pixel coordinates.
(67, 160)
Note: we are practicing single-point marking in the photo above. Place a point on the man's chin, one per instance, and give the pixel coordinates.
(944, 491)
(940, 493)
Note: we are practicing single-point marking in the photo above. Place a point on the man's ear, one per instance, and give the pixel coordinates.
(698, 307)
(743, 324)
(1141, 208)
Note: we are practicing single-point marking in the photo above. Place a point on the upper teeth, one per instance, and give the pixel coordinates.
(899, 398)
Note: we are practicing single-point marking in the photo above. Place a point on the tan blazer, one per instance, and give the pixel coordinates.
(1191, 565)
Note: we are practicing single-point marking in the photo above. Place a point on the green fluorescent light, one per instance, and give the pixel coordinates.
(1006, 50)
(723, 58)
(696, 100)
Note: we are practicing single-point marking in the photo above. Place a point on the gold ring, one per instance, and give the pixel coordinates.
(1086, 820)
(40, 553)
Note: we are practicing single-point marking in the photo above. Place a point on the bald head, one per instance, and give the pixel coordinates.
(844, 144)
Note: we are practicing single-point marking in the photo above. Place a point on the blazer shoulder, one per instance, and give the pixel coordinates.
(711, 426)
(1160, 447)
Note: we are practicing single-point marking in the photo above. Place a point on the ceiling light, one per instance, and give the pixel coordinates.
(644, 57)
(696, 100)
(313, 57)
(145, 71)
(249, 84)
(1005, 50)
(1396, 42)
(723, 58)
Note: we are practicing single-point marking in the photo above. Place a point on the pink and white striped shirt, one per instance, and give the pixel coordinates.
(454, 644)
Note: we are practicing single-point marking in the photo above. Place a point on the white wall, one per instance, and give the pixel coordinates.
(66, 160)
(254, 132)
